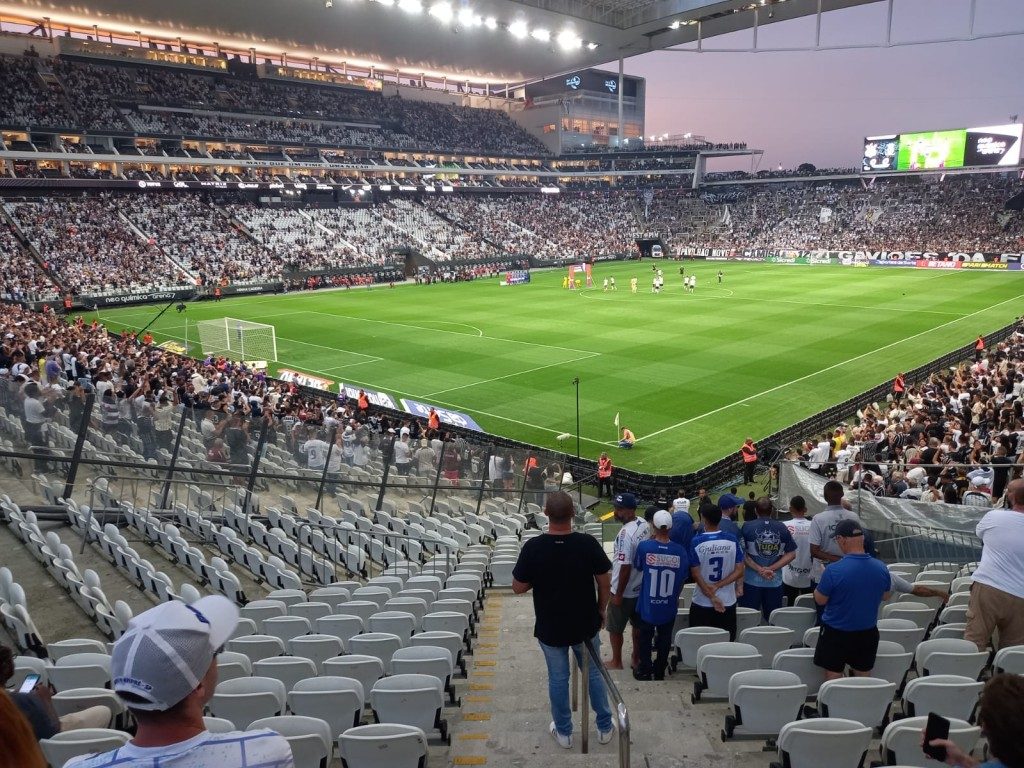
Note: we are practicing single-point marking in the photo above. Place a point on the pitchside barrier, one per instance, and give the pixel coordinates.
(905, 530)
(730, 468)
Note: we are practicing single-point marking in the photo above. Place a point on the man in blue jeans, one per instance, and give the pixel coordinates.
(569, 574)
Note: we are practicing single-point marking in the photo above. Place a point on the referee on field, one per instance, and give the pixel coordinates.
(851, 590)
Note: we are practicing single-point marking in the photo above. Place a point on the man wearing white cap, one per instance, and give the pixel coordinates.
(664, 565)
(164, 669)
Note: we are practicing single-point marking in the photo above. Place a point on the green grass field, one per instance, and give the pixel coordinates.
(691, 375)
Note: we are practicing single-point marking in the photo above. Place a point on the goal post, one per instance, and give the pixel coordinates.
(237, 339)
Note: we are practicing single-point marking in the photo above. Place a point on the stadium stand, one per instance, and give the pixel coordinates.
(98, 97)
(960, 213)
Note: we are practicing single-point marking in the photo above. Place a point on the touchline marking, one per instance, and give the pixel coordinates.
(414, 396)
(511, 375)
(823, 370)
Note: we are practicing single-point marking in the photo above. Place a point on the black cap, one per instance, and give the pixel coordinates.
(848, 528)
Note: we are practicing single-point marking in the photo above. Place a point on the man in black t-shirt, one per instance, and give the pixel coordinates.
(569, 574)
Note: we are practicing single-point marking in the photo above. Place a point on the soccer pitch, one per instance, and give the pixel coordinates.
(690, 374)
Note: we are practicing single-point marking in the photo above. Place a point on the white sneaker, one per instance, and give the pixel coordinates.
(603, 737)
(565, 742)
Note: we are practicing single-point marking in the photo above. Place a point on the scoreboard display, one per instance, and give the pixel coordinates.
(998, 145)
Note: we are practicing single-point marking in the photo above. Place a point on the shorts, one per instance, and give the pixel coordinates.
(619, 616)
(706, 616)
(838, 648)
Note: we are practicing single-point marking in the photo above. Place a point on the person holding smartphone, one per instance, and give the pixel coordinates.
(35, 704)
(1002, 721)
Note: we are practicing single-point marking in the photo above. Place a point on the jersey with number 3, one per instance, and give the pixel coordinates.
(665, 567)
(716, 554)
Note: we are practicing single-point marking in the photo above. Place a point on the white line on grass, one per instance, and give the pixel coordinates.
(511, 375)
(456, 406)
(824, 370)
(455, 333)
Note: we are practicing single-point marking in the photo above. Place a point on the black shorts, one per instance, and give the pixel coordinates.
(838, 648)
(701, 616)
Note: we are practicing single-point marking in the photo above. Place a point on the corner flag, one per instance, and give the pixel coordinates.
(616, 420)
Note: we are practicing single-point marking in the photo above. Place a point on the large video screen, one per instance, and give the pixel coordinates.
(931, 150)
(935, 150)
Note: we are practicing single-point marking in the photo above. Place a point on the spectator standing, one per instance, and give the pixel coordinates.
(796, 576)
(748, 452)
(569, 575)
(850, 591)
(35, 423)
(899, 387)
(663, 566)
(604, 475)
(979, 348)
(824, 548)
(728, 503)
(769, 548)
(682, 522)
(164, 668)
(625, 580)
(997, 594)
(716, 564)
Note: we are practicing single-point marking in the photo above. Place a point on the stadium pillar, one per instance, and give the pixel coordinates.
(621, 130)
(483, 477)
(388, 458)
(327, 462)
(185, 414)
(76, 456)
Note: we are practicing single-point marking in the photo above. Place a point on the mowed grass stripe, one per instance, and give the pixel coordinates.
(659, 361)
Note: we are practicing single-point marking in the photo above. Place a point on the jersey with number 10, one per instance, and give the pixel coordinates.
(716, 554)
(665, 567)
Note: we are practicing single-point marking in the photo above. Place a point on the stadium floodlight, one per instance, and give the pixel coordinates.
(518, 29)
(591, 46)
(468, 18)
(442, 11)
(541, 34)
(675, 24)
(569, 40)
(411, 6)
(491, 23)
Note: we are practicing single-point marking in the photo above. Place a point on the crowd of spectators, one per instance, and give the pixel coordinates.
(961, 213)
(189, 230)
(957, 437)
(547, 226)
(26, 101)
(99, 97)
(21, 277)
(90, 248)
(456, 273)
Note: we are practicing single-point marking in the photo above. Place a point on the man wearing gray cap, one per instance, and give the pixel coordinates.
(164, 669)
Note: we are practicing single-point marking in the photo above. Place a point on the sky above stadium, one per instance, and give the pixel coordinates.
(816, 106)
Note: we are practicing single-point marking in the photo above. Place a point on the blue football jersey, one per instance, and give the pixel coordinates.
(664, 567)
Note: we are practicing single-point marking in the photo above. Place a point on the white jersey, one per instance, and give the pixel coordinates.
(716, 554)
(316, 453)
(234, 749)
(1002, 557)
(682, 504)
(629, 536)
(798, 572)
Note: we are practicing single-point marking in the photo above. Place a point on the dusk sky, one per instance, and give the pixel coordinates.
(816, 106)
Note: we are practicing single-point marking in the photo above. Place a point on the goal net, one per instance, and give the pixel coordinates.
(237, 339)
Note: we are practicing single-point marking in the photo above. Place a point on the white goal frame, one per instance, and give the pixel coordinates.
(238, 339)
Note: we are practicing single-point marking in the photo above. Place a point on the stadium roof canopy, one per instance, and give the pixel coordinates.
(500, 41)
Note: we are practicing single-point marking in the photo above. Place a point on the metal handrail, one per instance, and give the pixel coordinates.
(621, 714)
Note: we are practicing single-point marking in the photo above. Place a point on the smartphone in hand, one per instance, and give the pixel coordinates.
(936, 728)
(29, 683)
